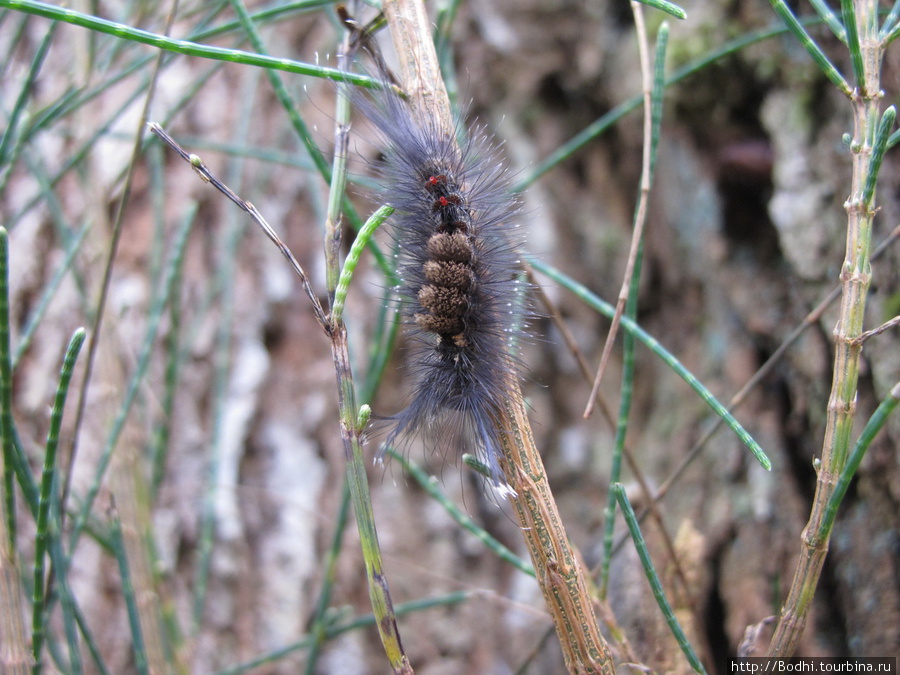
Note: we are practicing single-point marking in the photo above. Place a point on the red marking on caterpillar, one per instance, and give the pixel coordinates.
(456, 233)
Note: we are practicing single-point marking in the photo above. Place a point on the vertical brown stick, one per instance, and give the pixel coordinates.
(556, 566)
(419, 68)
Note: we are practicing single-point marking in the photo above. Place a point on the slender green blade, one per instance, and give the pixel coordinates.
(667, 7)
(649, 341)
(184, 47)
(653, 578)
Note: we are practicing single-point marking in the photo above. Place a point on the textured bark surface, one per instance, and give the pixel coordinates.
(745, 237)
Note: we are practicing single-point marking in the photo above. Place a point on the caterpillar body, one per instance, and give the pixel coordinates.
(456, 239)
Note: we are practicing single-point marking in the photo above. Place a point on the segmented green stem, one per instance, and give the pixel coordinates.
(10, 137)
(830, 18)
(601, 124)
(667, 7)
(848, 15)
(796, 27)
(873, 426)
(430, 485)
(15, 657)
(6, 418)
(182, 46)
(379, 593)
(668, 358)
(47, 295)
(339, 628)
(134, 620)
(319, 623)
(143, 363)
(882, 137)
(890, 26)
(870, 135)
(352, 260)
(352, 418)
(49, 496)
(653, 578)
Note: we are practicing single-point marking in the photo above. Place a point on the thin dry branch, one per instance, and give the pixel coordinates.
(557, 567)
(208, 177)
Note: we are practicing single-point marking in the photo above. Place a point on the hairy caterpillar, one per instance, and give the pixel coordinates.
(456, 237)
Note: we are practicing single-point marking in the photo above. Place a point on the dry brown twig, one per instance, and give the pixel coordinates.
(557, 567)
